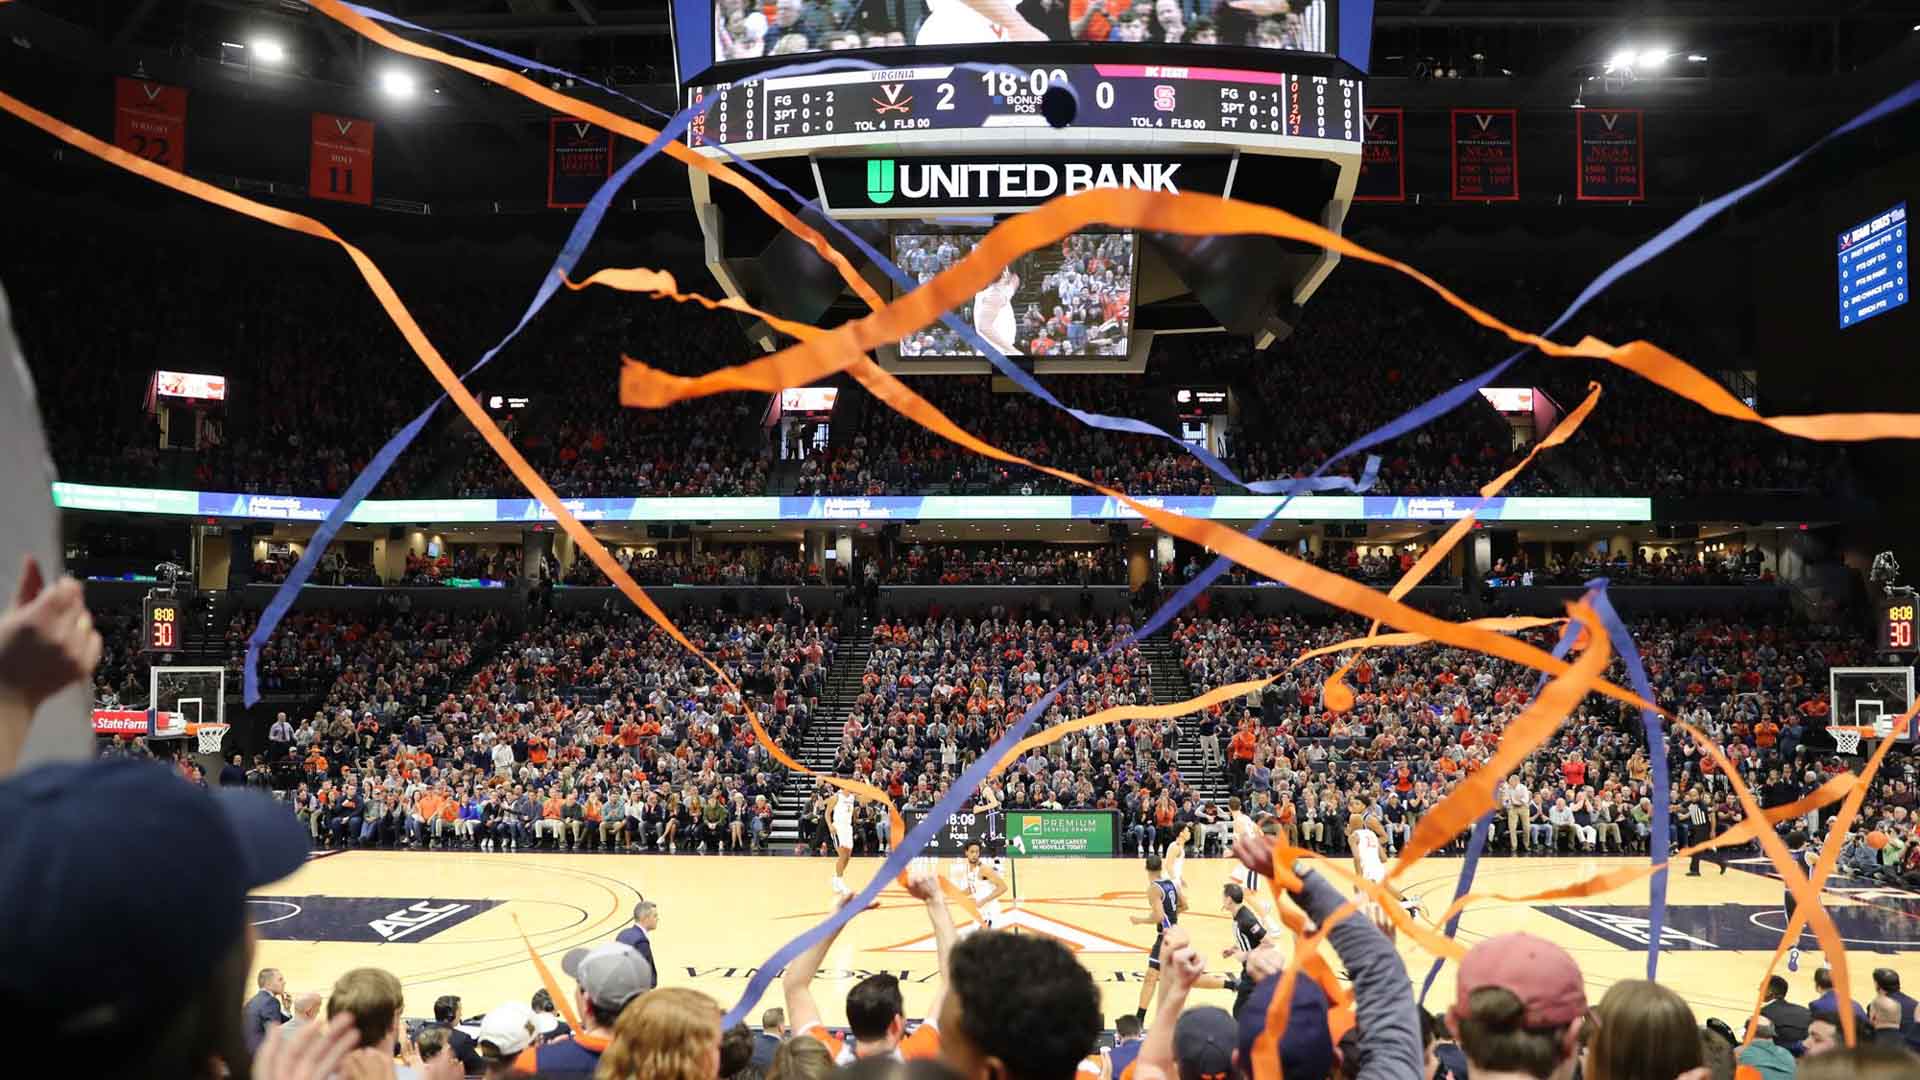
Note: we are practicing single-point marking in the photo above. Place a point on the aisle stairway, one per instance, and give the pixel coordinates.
(1169, 683)
(822, 736)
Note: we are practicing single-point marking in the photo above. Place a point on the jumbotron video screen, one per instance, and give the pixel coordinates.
(744, 31)
(1074, 298)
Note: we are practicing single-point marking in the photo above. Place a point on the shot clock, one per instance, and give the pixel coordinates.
(1896, 630)
(162, 629)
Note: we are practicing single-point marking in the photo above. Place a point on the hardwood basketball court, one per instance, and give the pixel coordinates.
(444, 922)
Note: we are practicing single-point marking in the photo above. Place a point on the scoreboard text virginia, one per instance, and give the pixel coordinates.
(1247, 108)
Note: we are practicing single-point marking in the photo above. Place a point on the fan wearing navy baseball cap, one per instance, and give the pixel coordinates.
(123, 915)
(1519, 1008)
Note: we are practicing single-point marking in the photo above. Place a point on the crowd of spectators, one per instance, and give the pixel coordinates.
(891, 455)
(715, 564)
(1366, 351)
(585, 730)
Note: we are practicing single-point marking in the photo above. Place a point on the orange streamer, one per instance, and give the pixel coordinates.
(562, 1001)
(1451, 538)
(1829, 858)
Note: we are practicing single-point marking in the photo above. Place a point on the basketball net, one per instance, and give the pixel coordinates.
(210, 736)
(1846, 740)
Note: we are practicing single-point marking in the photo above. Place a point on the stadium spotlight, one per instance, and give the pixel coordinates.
(397, 83)
(267, 50)
(1652, 58)
(1622, 59)
(1696, 58)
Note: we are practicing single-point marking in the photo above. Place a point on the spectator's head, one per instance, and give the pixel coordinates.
(1883, 1012)
(609, 976)
(1716, 1054)
(1644, 1030)
(875, 1012)
(373, 997)
(446, 1009)
(1306, 1047)
(646, 915)
(1776, 988)
(801, 1059)
(505, 1030)
(271, 981)
(669, 1034)
(65, 879)
(306, 1007)
(1763, 1030)
(774, 1022)
(1018, 1007)
(1126, 1027)
(1823, 979)
(1823, 1033)
(1520, 1005)
(1886, 980)
(736, 1049)
(434, 1040)
(1868, 1061)
(1204, 1042)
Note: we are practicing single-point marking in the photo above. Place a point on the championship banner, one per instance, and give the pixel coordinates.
(150, 121)
(1033, 833)
(1383, 160)
(342, 162)
(1613, 155)
(579, 160)
(1486, 155)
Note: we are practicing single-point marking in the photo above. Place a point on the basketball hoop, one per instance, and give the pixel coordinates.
(211, 736)
(1847, 739)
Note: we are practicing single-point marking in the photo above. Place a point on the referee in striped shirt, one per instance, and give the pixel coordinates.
(1248, 933)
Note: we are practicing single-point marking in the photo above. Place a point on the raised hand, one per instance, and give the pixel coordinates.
(309, 1052)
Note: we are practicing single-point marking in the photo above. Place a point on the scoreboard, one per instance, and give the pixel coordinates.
(161, 626)
(1117, 103)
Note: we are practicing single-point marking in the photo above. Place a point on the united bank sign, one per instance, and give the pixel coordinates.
(896, 186)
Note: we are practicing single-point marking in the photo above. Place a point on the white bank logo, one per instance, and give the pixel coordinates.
(984, 182)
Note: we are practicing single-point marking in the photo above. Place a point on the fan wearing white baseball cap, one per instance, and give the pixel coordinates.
(608, 977)
(506, 1031)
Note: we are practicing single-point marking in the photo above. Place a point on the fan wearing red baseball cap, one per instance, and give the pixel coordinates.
(1519, 1009)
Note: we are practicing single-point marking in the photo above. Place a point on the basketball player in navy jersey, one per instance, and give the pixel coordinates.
(1165, 901)
(1803, 858)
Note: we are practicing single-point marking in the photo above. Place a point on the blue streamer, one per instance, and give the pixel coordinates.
(1477, 843)
(967, 332)
(583, 233)
(376, 470)
(969, 780)
(1662, 841)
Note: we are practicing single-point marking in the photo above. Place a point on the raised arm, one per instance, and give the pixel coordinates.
(796, 983)
(922, 885)
(1182, 967)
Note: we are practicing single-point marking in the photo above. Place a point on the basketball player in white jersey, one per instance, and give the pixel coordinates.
(842, 823)
(983, 884)
(993, 311)
(1250, 880)
(974, 22)
(1364, 839)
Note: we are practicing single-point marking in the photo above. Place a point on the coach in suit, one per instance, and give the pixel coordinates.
(639, 936)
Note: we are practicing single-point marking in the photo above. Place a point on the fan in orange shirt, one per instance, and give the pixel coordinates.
(874, 1006)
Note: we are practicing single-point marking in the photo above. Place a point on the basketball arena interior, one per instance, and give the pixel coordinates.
(986, 539)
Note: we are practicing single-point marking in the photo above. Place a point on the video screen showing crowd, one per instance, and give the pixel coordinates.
(744, 31)
(1072, 299)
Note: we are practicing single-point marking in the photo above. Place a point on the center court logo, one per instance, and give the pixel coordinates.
(880, 181)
